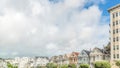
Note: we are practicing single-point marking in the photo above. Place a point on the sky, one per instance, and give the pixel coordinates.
(52, 27)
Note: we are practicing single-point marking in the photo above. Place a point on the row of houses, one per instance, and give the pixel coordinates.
(77, 58)
(25, 62)
(85, 56)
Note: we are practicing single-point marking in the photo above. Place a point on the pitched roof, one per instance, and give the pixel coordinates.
(102, 50)
(76, 53)
(88, 52)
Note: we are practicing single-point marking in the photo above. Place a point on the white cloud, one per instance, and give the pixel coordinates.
(74, 3)
(45, 28)
(51, 46)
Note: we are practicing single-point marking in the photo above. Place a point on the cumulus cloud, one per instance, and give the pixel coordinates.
(50, 27)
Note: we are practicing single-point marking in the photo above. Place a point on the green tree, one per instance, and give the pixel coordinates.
(9, 65)
(15, 67)
(102, 64)
(118, 63)
(84, 66)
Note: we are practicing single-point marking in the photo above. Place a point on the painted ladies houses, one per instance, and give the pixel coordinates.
(66, 59)
(41, 61)
(73, 58)
(98, 54)
(83, 57)
(61, 59)
(54, 59)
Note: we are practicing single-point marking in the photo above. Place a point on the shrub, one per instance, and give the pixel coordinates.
(102, 64)
(72, 66)
(64, 66)
(118, 63)
(84, 66)
(51, 65)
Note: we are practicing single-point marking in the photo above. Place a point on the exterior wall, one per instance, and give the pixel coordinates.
(23, 62)
(54, 59)
(83, 57)
(66, 59)
(95, 56)
(61, 59)
(115, 35)
(98, 55)
(41, 61)
(115, 45)
(73, 59)
(3, 64)
(26, 62)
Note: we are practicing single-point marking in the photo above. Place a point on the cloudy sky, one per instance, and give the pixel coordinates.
(52, 27)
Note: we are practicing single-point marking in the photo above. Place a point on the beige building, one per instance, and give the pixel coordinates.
(115, 33)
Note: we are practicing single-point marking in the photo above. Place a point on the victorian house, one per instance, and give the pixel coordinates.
(60, 60)
(66, 59)
(41, 61)
(83, 57)
(73, 58)
(54, 59)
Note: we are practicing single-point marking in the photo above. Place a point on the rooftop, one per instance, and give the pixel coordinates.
(116, 6)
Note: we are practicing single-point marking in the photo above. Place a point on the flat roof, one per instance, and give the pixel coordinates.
(118, 5)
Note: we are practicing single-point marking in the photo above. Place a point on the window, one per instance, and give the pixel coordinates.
(113, 23)
(116, 14)
(116, 30)
(117, 55)
(113, 47)
(116, 22)
(113, 15)
(113, 39)
(117, 47)
(114, 56)
(97, 56)
(113, 31)
(117, 39)
(84, 59)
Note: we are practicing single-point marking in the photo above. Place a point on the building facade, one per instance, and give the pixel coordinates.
(84, 57)
(28, 62)
(73, 58)
(3, 64)
(98, 54)
(22, 62)
(66, 59)
(41, 61)
(60, 60)
(115, 33)
(54, 59)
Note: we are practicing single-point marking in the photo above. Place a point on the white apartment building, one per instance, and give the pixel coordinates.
(115, 33)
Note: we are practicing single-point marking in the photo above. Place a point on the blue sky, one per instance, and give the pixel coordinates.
(107, 5)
